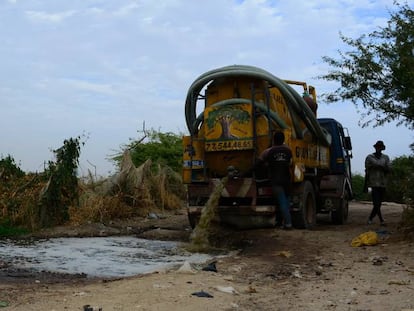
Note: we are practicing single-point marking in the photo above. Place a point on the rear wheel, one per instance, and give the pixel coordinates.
(305, 218)
(340, 215)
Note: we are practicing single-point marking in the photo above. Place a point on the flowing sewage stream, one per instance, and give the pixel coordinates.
(199, 237)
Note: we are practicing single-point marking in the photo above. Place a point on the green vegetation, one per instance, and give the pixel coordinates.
(9, 169)
(358, 188)
(61, 190)
(164, 149)
(7, 229)
(401, 182)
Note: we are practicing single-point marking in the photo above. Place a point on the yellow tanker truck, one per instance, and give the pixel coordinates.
(241, 107)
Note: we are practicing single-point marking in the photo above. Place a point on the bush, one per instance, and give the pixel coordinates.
(9, 169)
(8, 229)
(401, 180)
(61, 190)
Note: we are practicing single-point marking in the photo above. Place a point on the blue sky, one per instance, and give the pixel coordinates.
(103, 68)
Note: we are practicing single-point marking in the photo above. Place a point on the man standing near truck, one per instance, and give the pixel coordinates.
(377, 167)
(279, 159)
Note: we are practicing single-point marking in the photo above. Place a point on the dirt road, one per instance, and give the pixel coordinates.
(273, 269)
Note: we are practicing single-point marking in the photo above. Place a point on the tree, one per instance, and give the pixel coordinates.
(378, 72)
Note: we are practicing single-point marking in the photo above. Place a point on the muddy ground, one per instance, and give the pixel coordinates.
(267, 269)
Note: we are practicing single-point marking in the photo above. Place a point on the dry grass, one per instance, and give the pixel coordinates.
(19, 201)
(132, 192)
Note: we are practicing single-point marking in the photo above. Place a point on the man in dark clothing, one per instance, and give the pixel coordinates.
(279, 159)
(377, 167)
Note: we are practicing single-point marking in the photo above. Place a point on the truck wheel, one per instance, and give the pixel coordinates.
(305, 218)
(340, 215)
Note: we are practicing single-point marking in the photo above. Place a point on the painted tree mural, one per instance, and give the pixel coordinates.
(225, 116)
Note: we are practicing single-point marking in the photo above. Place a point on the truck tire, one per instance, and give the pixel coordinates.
(340, 215)
(305, 218)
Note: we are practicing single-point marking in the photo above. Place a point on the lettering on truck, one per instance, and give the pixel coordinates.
(229, 145)
(306, 153)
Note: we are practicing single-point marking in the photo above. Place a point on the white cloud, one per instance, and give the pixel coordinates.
(81, 85)
(127, 9)
(50, 17)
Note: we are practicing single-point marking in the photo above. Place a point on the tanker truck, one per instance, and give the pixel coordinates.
(231, 115)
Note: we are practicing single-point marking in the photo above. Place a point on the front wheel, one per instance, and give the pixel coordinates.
(305, 217)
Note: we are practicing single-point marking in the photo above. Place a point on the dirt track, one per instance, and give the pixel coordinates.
(273, 270)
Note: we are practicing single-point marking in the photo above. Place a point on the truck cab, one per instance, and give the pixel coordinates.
(336, 184)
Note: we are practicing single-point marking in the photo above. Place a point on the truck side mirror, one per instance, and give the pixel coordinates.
(347, 143)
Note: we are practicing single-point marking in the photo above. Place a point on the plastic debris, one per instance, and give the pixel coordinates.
(210, 267)
(366, 238)
(382, 233)
(4, 304)
(186, 268)
(297, 274)
(399, 282)
(227, 290)
(202, 294)
(152, 216)
(89, 308)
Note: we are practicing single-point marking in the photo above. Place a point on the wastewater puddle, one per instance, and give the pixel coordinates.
(97, 257)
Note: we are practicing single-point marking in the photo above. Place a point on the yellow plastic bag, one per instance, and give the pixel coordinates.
(366, 238)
